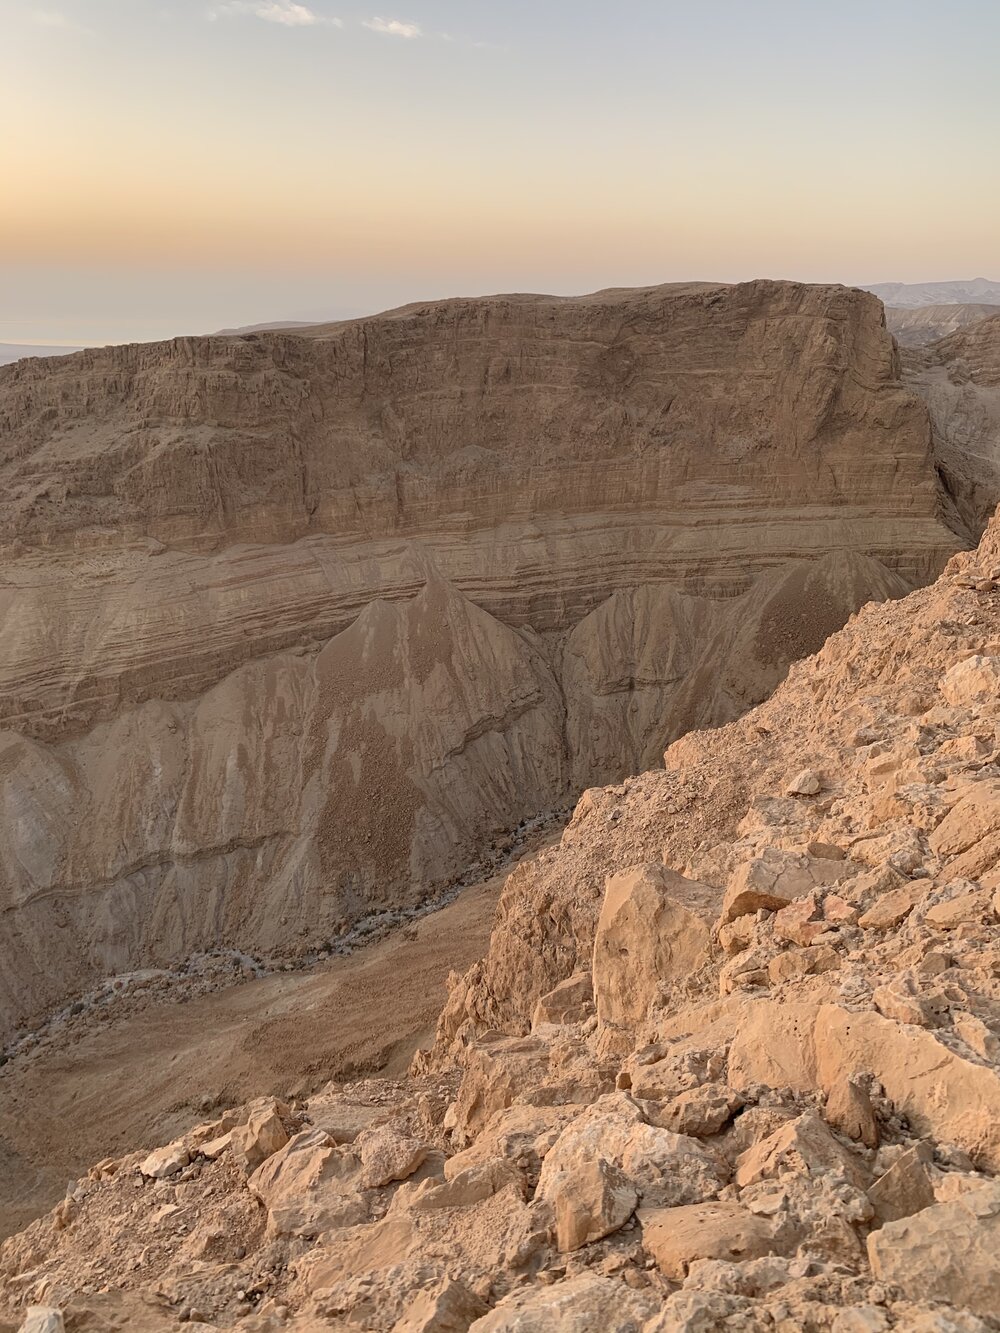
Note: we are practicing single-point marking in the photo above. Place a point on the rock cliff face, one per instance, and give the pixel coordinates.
(959, 378)
(294, 622)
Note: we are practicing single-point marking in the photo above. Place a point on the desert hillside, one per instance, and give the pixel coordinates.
(915, 326)
(954, 292)
(732, 1060)
(296, 624)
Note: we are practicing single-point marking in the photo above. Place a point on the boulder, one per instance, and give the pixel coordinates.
(776, 878)
(976, 680)
(164, 1162)
(572, 1001)
(443, 1306)
(700, 1111)
(965, 909)
(309, 1184)
(940, 1093)
(849, 1109)
(497, 1070)
(805, 783)
(263, 1134)
(949, 1252)
(654, 929)
(893, 907)
(387, 1155)
(42, 1319)
(576, 1305)
(591, 1198)
(668, 1168)
(581, 1177)
(905, 1188)
(968, 838)
(774, 1043)
(677, 1237)
(803, 1145)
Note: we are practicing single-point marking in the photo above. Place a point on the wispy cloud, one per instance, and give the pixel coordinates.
(286, 12)
(393, 27)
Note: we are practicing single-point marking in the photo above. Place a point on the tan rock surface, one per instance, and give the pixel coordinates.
(653, 929)
(679, 1237)
(295, 623)
(946, 1253)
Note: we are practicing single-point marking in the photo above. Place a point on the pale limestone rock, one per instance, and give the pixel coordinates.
(700, 1111)
(676, 1237)
(776, 878)
(939, 1092)
(576, 1305)
(460, 1189)
(965, 909)
(849, 1109)
(801, 921)
(497, 1069)
(968, 838)
(387, 1155)
(591, 1198)
(861, 1319)
(802, 1145)
(42, 1319)
(669, 1168)
(793, 963)
(340, 1116)
(904, 1189)
(805, 783)
(308, 1184)
(949, 1252)
(977, 1035)
(444, 1306)
(163, 1162)
(409, 1297)
(707, 1312)
(653, 929)
(774, 1043)
(572, 1001)
(907, 999)
(974, 680)
(893, 907)
(262, 1135)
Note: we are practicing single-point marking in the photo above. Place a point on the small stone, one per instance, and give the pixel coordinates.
(805, 783)
(849, 1109)
(163, 1162)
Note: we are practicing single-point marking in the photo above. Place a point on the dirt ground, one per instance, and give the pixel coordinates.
(140, 1081)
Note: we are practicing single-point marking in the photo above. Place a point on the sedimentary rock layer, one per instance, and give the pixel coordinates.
(959, 379)
(293, 622)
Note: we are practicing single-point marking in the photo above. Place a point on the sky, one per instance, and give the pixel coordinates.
(177, 166)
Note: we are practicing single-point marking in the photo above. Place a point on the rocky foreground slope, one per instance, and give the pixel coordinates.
(456, 562)
(732, 1061)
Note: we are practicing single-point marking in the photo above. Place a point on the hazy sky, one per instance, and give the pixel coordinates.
(173, 166)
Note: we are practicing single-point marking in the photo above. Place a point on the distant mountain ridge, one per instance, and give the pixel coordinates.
(915, 326)
(955, 292)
